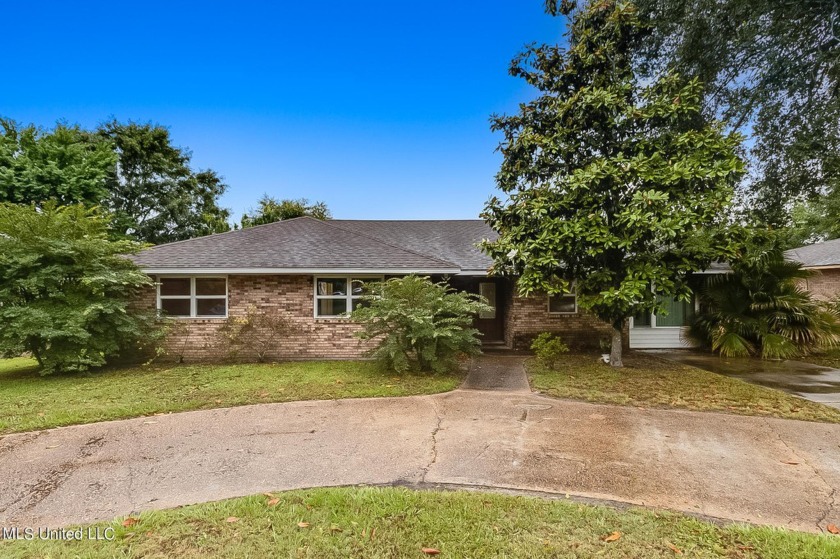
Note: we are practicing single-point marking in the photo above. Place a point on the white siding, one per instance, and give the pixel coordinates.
(659, 338)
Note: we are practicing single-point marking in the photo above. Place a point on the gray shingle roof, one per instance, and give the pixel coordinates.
(826, 253)
(445, 246)
(452, 240)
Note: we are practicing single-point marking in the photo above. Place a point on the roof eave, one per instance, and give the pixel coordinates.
(292, 271)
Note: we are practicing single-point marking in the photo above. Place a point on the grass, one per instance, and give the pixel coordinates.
(647, 381)
(390, 522)
(29, 401)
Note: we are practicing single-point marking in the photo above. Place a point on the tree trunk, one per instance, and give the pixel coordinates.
(37, 355)
(617, 341)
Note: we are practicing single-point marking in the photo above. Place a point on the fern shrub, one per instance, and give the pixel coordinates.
(420, 325)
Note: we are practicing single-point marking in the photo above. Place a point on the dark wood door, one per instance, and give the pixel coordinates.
(491, 323)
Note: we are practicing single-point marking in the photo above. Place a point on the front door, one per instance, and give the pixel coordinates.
(491, 322)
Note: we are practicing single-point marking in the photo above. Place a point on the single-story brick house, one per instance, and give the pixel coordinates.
(312, 270)
(824, 260)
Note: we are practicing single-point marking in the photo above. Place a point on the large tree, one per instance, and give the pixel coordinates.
(154, 193)
(271, 209)
(771, 68)
(611, 187)
(66, 164)
(132, 170)
(66, 289)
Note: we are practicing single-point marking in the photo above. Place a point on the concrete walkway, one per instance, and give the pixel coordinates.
(806, 380)
(752, 469)
(505, 373)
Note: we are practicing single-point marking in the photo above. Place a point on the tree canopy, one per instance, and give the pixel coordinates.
(132, 170)
(770, 69)
(67, 165)
(612, 187)
(271, 209)
(153, 192)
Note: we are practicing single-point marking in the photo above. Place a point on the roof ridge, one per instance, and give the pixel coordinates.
(240, 230)
(413, 220)
(394, 246)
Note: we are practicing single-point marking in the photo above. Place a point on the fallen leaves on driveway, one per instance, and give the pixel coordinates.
(833, 529)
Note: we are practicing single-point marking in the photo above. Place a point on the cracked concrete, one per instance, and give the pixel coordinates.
(433, 450)
(753, 469)
(797, 457)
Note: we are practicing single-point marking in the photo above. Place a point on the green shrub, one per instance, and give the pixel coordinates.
(420, 325)
(256, 334)
(761, 308)
(548, 348)
(66, 290)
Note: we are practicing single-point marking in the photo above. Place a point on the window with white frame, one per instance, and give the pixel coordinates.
(193, 297)
(338, 296)
(563, 304)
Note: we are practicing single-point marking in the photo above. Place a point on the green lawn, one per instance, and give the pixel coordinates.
(647, 381)
(29, 401)
(388, 522)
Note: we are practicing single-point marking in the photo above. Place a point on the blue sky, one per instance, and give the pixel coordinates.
(380, 109)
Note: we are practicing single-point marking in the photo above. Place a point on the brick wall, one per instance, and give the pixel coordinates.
(528, 316)
(196, 339)
(824, 284)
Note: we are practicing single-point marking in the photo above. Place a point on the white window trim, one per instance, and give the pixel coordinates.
(193, 297)
(348, 297)
(554, 313)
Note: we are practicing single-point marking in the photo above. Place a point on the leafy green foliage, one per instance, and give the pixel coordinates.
(155, 195)
(771, 69)
(67, 165)
(815, 220)
(615, 185)
(548, 348)
(255, 334)
(270, 210)
(65, 289)
(131, 169)
(762, 309)
(420, 325)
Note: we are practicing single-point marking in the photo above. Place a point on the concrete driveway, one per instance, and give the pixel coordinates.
(742, 468)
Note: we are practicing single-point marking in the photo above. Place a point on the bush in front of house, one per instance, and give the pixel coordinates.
(66, 289)
(256, 334)
(419, 325)
(762, 309)
(548, 348)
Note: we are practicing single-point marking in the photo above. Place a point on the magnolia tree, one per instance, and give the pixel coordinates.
(612, 188)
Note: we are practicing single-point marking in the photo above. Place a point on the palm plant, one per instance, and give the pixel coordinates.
(761, 308)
